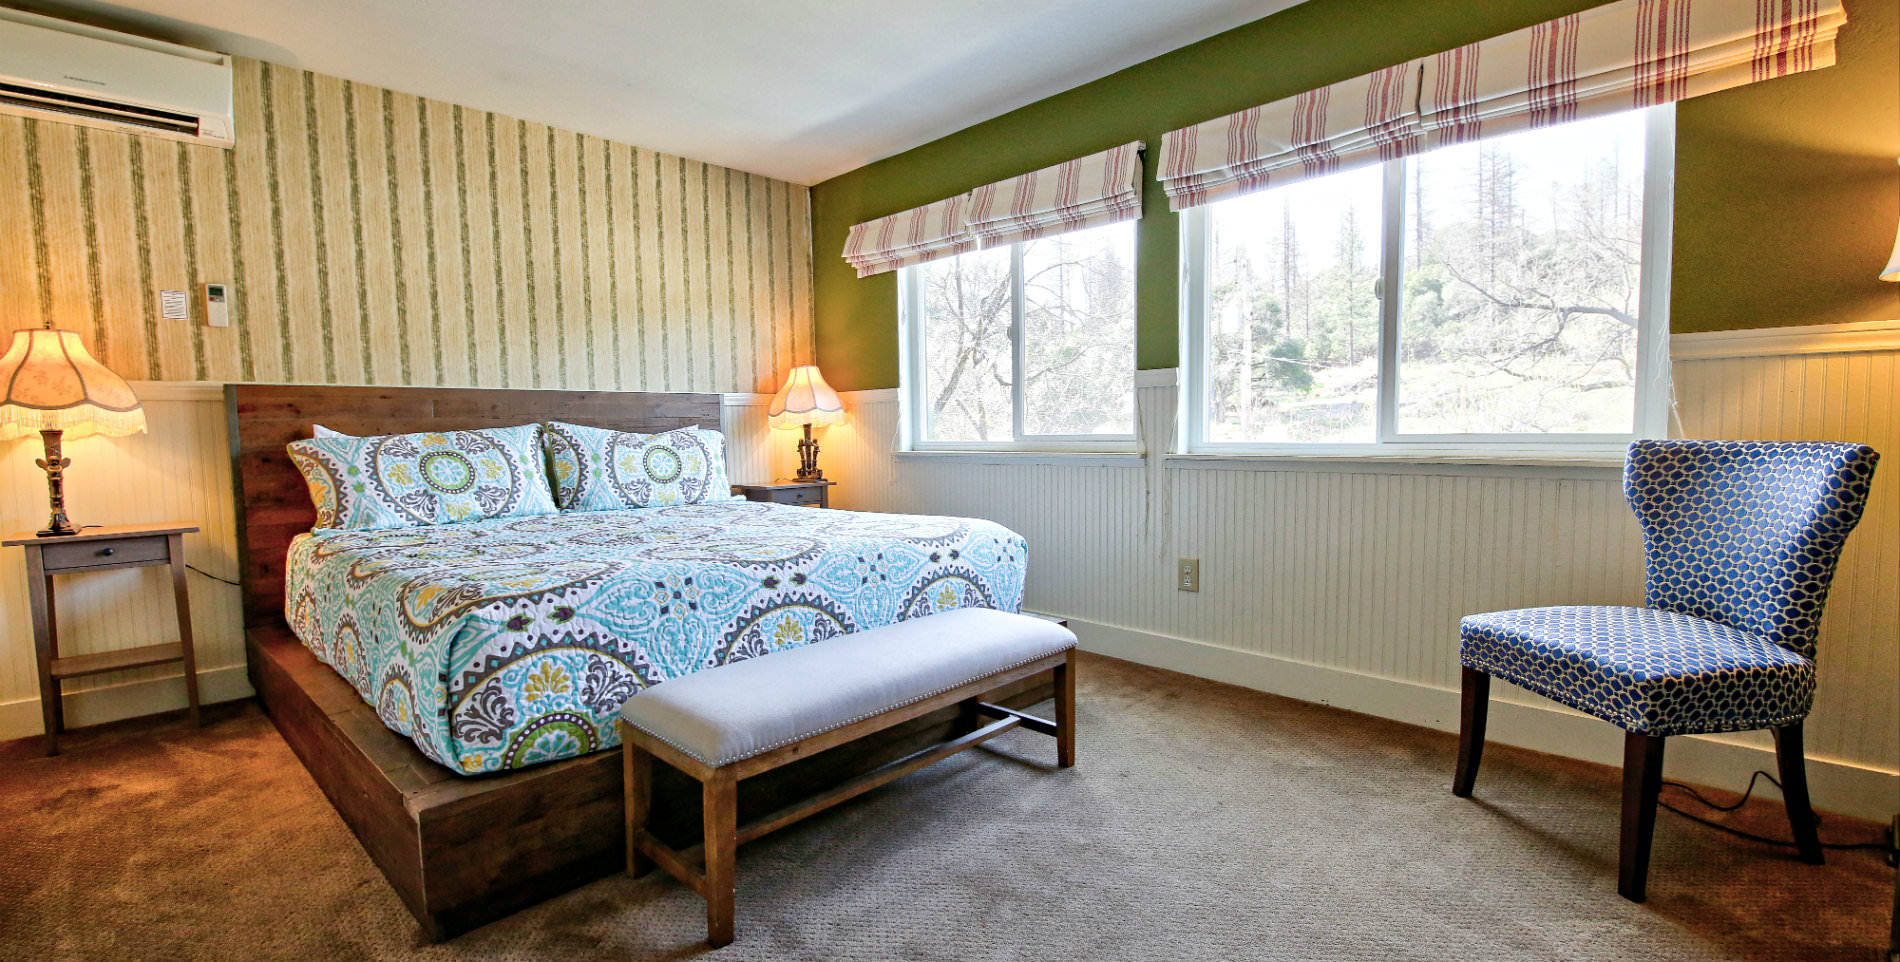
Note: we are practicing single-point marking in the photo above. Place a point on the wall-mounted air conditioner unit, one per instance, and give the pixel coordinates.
(55, 70)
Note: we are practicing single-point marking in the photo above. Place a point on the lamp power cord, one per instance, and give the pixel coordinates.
(1887, 847)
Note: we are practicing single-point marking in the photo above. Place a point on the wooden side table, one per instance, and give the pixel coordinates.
(811, 493)
(103, 549)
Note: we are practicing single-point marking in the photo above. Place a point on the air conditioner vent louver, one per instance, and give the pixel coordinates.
(71, 73)
(106, 110)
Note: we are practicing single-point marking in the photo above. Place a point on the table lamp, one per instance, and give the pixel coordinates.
(49, 383)
(805, 400)
(1892, 271)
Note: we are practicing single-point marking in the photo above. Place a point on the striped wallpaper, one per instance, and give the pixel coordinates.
(373, 237)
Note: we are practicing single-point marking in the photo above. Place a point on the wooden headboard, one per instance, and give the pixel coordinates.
(273, 506)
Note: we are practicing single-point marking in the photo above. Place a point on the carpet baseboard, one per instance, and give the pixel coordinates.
(96, 706)
(1517, 718)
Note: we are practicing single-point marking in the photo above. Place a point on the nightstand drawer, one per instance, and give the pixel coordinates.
(799, 496)
(87, 554)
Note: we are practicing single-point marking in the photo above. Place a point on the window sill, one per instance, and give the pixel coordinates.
(1115, 459)
(1576, 465)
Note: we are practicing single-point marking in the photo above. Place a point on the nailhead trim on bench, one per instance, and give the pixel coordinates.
(849, 721)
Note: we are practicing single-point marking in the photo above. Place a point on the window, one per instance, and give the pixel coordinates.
(1506, 295)
(1029, 346)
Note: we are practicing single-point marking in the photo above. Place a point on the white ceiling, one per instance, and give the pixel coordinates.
(797, 89)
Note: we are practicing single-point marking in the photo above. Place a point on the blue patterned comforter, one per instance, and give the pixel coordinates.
(499, 644)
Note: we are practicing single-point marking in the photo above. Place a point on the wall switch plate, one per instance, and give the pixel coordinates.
(1188, 575)
(217, 311)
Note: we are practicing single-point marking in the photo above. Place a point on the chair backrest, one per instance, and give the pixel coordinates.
(1747, 533)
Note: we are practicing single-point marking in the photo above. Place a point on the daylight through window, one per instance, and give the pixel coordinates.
(1507, 291)
(1031, 345)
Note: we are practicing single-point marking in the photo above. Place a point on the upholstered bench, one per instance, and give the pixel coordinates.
(725, 724)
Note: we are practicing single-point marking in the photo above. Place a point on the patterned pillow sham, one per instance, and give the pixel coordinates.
(436, 477)
(596, 469)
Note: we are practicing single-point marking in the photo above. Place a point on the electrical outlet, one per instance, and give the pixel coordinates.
(1189, 574)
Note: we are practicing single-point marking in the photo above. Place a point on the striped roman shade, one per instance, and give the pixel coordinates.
(1092, 191)
(1624, 56)
(1621, 56)
(909, 237)
(1348, 124)
(1101, 188)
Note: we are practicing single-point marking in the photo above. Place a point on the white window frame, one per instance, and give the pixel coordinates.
(915, 402)
(1652, 337)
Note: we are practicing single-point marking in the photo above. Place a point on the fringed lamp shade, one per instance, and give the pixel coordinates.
(49, 381)
(1892, 271)
(51, 386)
(805, 399)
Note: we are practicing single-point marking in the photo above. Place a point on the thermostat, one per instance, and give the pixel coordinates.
(217, 313)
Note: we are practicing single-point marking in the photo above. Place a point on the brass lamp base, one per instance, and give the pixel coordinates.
(808, 459)
(55, 466)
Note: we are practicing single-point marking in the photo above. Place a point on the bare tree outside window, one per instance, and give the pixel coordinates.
(1521, 295)
(1078, 331)
(1520, 287)
(1293, 315)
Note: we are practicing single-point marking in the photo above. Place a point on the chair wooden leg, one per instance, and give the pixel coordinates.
(1794, 788)
(1065, 712)
(1642, 782)
(720, 795)
(637, 765)
(1476, 706)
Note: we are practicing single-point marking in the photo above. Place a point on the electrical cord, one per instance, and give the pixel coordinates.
(207, 574)
(1789, 843)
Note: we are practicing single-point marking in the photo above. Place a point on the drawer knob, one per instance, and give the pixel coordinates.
(108, 552)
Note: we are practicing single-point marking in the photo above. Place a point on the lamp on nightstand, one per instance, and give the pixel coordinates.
(805, 400)
(50, 383)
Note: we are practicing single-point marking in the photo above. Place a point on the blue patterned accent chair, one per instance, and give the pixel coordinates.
(1741, 539)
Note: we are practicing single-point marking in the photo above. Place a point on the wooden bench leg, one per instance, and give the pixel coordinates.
(1065, 712)
(638, 768)
(720, 795)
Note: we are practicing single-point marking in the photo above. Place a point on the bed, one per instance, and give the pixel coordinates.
(499, 644)
(470, 826)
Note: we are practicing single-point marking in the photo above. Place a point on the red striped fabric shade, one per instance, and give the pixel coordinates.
(1337, 127)
(914, 236)
(1101, 188)
(1092, 191)
(1624, 56)
(1621, 56)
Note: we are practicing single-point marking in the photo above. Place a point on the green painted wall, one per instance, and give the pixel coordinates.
(1786, 195)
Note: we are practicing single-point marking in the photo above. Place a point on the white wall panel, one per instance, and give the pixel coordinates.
(1366, 570)
(178, 470)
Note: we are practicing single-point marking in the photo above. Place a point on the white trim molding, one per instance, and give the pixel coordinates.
(201, 391)
(1517, 717)
(1157, 377)
(743, 400)
(1780, 341)
(874, 395)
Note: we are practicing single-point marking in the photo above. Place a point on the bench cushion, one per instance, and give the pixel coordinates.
(746, 708)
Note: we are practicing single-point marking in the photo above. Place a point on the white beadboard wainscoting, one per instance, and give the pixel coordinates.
(1343, 582)
(181, 469)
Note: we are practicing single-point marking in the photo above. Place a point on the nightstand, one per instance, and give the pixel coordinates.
(816, 494)
(105, 548)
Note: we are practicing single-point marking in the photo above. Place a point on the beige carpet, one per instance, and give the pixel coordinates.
(1204, 822)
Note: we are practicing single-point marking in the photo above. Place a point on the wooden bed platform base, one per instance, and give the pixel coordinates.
(465, 851)
(462, 852)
